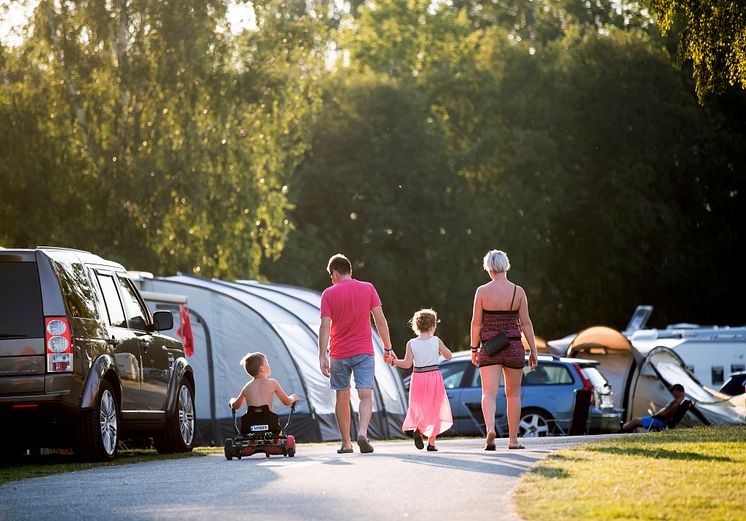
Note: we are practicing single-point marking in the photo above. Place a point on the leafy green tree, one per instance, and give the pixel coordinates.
(177, 138)
(377, 186)
(586, 159)
(712, 36)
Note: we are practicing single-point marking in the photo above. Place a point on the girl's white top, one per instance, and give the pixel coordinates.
(425, 352)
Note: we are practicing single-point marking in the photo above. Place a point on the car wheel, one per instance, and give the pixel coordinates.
(178, 433)
(98, 433)
(533, 424)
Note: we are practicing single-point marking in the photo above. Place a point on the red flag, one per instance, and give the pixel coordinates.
(185, 331)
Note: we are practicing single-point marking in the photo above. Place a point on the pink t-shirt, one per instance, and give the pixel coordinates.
(349, 303)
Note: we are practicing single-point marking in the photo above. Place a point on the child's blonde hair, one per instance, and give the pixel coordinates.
(423, 320)
(252, 361)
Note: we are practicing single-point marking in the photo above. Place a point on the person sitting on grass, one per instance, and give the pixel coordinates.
(660, 419)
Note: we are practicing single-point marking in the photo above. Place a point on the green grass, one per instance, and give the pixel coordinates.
(683, 474)
(36, 466)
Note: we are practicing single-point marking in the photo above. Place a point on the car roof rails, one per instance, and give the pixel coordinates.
(61, 248)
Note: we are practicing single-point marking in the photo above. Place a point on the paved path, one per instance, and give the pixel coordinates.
(460, 482)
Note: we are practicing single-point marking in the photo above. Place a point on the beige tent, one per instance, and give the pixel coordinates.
(642, 374)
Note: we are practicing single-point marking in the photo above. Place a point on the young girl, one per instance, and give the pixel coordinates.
(429, 412)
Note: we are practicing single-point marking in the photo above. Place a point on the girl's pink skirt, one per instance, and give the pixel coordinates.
(429, 410)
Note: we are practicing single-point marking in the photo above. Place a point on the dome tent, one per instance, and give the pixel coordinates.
(230, 319)
(641, 370)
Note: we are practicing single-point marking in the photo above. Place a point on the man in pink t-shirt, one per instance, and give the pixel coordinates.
(346, 307)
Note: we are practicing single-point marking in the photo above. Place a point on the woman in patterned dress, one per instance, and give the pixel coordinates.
(501, 307)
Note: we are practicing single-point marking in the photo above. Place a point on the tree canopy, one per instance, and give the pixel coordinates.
(712, 36)
(412, 136)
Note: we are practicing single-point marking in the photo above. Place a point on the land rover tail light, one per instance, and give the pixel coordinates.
(587, 385)
(59, 345)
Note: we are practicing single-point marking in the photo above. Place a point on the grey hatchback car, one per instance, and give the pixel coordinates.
(82, 362)
(547, 397)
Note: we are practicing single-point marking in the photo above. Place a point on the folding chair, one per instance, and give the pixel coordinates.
(681, 411)
(474, 410)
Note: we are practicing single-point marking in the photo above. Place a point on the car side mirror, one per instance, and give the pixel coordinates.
(163, 320)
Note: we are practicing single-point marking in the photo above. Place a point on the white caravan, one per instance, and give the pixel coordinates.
(711, 353)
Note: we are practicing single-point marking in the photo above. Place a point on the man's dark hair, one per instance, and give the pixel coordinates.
(340, 264)
(677, 387)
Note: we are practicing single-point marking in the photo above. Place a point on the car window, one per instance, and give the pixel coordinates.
(135, 310)
(76, 289)
(21, 312)
(476, 379)
(453, 374)
(547, 374)
(111, 298)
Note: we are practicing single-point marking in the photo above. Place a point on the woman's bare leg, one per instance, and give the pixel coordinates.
(513, 393)
(490, 385)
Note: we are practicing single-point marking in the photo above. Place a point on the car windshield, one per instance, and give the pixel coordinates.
(595, 377)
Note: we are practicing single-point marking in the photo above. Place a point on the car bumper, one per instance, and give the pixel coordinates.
(47, 417)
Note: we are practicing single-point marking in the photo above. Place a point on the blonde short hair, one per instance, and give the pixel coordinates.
(496, 261)
(423, 320)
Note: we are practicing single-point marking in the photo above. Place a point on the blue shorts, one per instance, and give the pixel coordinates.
(657, 424)
(362, 366)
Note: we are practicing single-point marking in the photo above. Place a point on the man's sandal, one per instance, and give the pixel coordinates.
(364, 444)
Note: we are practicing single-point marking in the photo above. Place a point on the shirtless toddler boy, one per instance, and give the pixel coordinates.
(261, 389)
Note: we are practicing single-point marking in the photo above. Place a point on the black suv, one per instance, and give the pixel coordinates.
(81, 361)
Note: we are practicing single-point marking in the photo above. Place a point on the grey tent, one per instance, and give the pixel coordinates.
(230, 319)
(642, 371)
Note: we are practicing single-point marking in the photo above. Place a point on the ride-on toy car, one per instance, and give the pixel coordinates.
(260, 432)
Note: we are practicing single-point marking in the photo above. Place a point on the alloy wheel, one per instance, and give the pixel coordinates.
(108, 421)
(186, 415)
(533, 425)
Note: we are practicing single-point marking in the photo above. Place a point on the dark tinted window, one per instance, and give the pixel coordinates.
(111, 298)
(718, 375)
(20, 300)
(547, 374)
(135, 310)
(76, 289)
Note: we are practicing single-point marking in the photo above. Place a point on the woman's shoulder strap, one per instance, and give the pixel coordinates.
(515, 286)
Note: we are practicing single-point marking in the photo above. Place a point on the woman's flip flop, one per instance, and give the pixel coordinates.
(516, 447)
(344, 451)
(490, 441)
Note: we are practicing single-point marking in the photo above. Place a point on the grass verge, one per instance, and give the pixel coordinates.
(682, 474)
(36, 466)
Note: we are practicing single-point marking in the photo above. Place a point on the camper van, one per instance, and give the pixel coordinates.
(711, 353)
